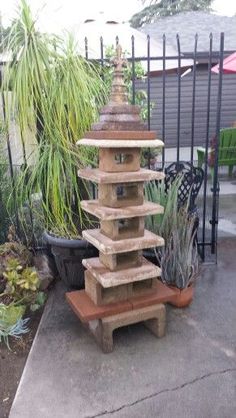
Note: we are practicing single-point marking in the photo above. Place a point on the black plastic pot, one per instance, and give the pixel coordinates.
(68, 255)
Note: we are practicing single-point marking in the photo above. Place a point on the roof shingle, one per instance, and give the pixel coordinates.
(187, 24)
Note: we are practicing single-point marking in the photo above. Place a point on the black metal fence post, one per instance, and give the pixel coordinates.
(215, 190)
(163, 98)
(193, 98)
(133, 69)
(179, 98)
(203, 249)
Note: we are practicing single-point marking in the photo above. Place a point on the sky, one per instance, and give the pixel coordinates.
(58, 14)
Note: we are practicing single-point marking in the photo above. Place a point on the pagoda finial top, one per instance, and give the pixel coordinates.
(119, 61)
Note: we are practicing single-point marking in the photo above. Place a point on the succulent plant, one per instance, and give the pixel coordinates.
(21, 283)
(11, 322)
(14, 251)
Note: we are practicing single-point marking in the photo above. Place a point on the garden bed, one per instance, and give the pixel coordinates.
(12, 363)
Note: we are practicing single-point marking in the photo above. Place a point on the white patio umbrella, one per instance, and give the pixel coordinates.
(93, 30)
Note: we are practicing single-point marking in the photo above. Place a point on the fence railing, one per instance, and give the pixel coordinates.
(163, 94)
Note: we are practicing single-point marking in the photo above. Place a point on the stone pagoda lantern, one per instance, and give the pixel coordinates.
(121, 286)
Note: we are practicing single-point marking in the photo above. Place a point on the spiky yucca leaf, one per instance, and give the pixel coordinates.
(179, 261)
(178, 258)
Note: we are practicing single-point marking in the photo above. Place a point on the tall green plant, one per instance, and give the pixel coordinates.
(178, 258)
(56, 90)
(162, 224)
(5, 187)
(179, 261)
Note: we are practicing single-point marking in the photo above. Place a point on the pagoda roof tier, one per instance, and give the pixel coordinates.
(121, 134)
(121, 143)
(108, 246)
(102, 177)
(109, 278)
(105, 213)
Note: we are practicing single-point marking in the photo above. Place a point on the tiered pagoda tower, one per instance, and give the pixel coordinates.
(121, 286)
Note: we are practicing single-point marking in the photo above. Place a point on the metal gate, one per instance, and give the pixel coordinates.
(209, 198)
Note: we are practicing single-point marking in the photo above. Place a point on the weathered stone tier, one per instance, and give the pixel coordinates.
(120, 143)
(124, 135)
(109, 278)
(105, 213)
(108, 246)
(120, 109)
(86, 309)
(101, 177)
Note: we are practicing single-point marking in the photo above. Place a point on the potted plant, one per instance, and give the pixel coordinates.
(178, 258)
(57, 93)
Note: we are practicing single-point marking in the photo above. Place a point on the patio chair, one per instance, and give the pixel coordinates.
(190, 185)
(227, 152)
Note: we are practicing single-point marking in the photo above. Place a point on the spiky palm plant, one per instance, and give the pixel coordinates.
(58, 92)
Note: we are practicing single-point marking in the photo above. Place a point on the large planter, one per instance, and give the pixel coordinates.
(183, 297)
(68, 255)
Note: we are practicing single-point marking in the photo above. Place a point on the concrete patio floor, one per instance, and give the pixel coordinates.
(191, 372)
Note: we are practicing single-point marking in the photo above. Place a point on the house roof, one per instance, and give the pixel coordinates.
(187, 24)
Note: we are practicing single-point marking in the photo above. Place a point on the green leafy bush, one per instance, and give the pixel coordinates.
(18, 278)
(14, 252)
(21, 283)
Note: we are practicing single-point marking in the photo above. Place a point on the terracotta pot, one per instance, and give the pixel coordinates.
(183, 297)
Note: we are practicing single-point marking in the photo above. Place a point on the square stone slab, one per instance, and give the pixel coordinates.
(105, 213)
(118, 143)
(86, 310)
(101, 177)
(109, 278)
(108, 246)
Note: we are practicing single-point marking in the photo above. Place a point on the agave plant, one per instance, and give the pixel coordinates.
(178, 258)
(162, 224)
(56, 91)
(179, 261)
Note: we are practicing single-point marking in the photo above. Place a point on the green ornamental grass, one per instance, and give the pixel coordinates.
(57, 91)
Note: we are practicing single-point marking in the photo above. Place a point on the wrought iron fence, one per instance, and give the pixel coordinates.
(209, 201)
